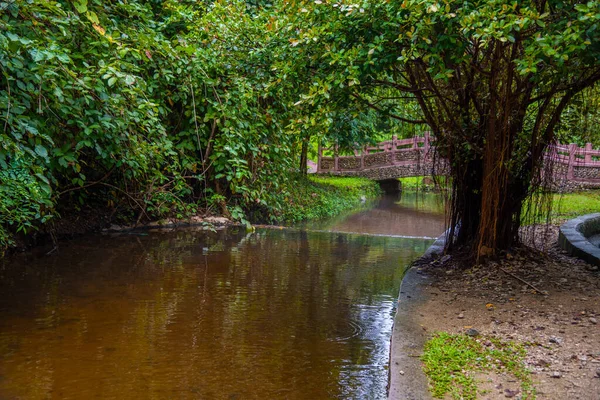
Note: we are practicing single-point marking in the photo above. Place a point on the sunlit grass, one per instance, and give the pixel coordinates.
(563, 207)
(318, 197)
(342, 182)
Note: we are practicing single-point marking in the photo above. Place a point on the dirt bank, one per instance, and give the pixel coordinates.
(546, 300)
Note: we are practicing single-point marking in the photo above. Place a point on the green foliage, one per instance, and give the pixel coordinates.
(174, 106)
(452, 360)
(318, 197)
(24, 198)
(424, 183)
(162, 106)
(581, 119)
(490, 78)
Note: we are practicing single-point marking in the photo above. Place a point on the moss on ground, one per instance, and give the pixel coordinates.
(452, 360)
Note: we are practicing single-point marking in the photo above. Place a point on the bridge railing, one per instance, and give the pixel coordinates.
(574, 162)
(571, 162)
(387, 153)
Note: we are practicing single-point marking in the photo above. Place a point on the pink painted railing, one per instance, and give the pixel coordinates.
(579, 163)
(388, 153)
(574, 158)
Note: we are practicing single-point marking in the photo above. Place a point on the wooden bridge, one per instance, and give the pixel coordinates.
(399, 158)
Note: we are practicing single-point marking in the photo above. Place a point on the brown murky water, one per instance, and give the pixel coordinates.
(274, 314)
(413, 214)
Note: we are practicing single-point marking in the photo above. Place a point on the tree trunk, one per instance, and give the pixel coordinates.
(304, 157)
(466, 201)
(492, 123)
(489, 189)
(503, 192)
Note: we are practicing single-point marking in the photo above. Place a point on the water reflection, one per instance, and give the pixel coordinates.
(410, 214)
(191, 315)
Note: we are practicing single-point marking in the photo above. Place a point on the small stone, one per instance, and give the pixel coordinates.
(511, 393)
(543, 363)
(461, 316)
(401, 372)
(556, 374)
(593, 320)
(555, 339)
(472, 332)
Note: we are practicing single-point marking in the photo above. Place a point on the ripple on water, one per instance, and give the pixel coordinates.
(274, 314)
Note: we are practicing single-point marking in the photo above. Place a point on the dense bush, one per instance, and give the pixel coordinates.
(167, 106)
(164, 107)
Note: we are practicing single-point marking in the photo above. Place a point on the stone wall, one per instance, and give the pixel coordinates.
(584, 178)
(327, 163)
(378, 159)
(391, 172)
(409, 155)
(349, 163)
(586, 173)
(378, 166)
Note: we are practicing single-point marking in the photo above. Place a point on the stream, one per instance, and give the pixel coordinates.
(188, 314)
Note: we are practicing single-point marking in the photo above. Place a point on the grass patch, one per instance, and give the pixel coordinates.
(317, 197)
(451, 360)
(570, 205)
(566, 206)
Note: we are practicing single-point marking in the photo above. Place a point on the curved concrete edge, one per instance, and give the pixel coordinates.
(573, 234)
(407, 380)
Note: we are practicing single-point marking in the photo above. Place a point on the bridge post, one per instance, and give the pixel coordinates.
(394, 148)
(426, 144)
(336, 158)
(571, 168)
(362, 157)
(588, 154)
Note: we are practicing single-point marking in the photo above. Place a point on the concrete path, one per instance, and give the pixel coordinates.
(407, 380)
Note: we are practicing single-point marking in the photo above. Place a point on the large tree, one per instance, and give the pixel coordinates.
(491, 79)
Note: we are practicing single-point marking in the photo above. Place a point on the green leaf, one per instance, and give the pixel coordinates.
(80, 5)
(41, 151)
(93, 17)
